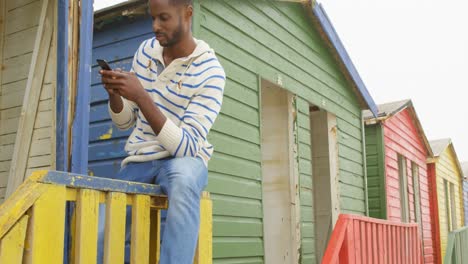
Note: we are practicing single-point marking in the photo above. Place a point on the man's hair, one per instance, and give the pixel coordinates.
(182, 2)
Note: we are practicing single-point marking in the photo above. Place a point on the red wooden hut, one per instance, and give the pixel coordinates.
(397, 175)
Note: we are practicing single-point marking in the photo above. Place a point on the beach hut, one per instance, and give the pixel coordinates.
(447, 182)
(36, 98)
(398, 185)
(465, 190)
(289, 148)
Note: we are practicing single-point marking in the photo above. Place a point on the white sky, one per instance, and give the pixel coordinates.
(414, 49)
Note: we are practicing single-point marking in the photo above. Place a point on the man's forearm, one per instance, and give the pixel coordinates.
(152, 113)
(116, 103)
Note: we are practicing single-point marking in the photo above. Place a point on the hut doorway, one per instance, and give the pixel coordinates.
(324, 149)
(278, 178)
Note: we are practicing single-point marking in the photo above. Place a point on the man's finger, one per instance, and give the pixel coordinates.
(107, 80)
(110, 74)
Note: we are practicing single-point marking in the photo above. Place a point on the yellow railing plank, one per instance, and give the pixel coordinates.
(86, 227)
(114, 241)
(204, 253)
(12, 244)
(18, 203)
(140, 230)
(155, 236)
(47, 228)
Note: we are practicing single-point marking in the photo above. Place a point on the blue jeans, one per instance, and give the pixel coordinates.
(182, 180)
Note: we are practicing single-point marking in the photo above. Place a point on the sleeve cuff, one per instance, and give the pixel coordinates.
(122, 118)
(170, 136)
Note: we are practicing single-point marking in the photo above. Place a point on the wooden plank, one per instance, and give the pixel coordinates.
(12, 244)
(139, 253)
(11, 100)
(9, 126)
(358, 243)
(2, 41)
(114, 240)
(20, 42)
(16, 206)
(45, 105)
(155, 237)
(17, 3)
(32, 94)
(10, 113)
(46, 244)
(86, 226)
(16, 68)
(204, 253)
(43, 119)
(47, 90)
(39, 148)
(5, 155)
(39, 161)
(7, 140)
(24, 17)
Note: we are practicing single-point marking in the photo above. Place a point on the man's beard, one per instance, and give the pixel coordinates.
(176, 36)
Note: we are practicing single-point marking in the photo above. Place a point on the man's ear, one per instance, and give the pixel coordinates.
(189, 12)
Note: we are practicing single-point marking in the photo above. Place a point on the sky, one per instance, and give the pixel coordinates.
(412, 50)
(415, 50)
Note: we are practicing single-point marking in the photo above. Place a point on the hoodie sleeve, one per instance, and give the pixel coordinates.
(201, 113)
(127, 117)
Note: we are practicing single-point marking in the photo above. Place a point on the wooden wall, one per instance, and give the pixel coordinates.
(446, 168)
(275, 41)
(402, 137)
(21, 21)
(20, 48)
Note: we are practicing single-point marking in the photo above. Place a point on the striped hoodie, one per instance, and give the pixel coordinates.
(189, 93)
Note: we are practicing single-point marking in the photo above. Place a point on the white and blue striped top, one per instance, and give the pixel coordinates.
(189, 92)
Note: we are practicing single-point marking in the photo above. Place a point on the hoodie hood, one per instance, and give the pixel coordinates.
(201, 48)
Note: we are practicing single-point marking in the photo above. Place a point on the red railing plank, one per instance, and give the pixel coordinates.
(358, 239)
(362, 226)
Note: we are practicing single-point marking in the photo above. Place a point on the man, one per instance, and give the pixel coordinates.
(172, 98)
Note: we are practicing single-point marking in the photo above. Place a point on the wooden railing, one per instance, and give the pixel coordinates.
(34, 220)
(457, 247)
(362, 240)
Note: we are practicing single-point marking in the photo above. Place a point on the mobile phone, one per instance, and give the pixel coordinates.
(104, 65)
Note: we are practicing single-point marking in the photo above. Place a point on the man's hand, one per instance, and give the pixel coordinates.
(125, 84)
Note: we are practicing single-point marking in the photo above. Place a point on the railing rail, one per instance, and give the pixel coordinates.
(457, 247)
(358, 239)
(33, 221)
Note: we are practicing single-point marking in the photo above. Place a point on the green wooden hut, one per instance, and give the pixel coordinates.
(289, 149)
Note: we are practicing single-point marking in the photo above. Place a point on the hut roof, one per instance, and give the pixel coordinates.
(319, 19)
(388, 110)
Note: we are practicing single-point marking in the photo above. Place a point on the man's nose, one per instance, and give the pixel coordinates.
(156, 26)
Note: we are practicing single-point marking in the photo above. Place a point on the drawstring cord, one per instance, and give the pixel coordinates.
(179, 84)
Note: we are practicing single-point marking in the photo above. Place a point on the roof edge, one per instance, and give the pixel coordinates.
(332, 36)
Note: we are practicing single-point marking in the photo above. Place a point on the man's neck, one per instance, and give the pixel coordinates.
(182, 49)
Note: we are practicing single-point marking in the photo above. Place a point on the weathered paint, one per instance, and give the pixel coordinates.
(446, 168)
(18, 33)
(464, 166)
(399, 135)
(465, 200)
(255, 49)
(80, 132)
(42, 200)
(61, 104)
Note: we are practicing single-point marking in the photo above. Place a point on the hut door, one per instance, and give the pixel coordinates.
(325, 176)
(279, 179)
